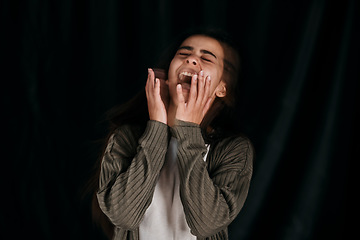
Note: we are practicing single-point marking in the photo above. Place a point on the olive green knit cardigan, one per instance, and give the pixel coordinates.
(212, 192)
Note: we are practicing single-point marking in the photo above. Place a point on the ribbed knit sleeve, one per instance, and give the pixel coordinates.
(129, 171)
(211, 200)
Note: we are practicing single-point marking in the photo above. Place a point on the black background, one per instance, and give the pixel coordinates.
(65, 63)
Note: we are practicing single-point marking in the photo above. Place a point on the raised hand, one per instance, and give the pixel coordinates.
(199, 100)
(156, 106)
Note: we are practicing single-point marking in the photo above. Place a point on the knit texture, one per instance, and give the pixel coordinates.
(212, 192)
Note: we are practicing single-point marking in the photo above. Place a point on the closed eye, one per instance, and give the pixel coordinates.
(184, 54)
(206, 59)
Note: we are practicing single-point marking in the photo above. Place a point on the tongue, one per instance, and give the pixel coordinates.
(186, 86)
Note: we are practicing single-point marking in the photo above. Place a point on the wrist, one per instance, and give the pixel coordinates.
(158, 118)
(189, 131)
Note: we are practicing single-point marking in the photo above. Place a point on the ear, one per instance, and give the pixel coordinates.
(220, 90)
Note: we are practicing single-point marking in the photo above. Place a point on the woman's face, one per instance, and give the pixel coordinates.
(196, 53)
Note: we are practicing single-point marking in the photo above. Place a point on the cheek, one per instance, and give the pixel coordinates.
(213, 88)
(174, 65)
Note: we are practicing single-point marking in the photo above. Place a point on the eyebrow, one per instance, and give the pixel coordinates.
(202, 50)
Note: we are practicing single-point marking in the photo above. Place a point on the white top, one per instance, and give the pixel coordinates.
(165, 218)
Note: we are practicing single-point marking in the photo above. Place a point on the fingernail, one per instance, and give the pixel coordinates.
(208, 78)
(201, 73)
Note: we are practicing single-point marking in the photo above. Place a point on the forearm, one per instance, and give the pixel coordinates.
(126, 185)
(210, 203)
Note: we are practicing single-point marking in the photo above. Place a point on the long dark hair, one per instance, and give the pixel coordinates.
(217, 123)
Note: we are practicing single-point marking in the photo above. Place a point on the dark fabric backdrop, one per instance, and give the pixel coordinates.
(65, 63)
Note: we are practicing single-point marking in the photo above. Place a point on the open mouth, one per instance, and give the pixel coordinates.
(185, 79)
(186, 76)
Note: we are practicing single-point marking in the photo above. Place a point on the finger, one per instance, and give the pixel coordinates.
(201, 83)
(151, 78)
(206, 90)
(193, 90)
(180, 96)
(151, 82)
(148, 82)
(157, 87)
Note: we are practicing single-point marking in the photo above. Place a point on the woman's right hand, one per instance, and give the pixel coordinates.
(156, 107)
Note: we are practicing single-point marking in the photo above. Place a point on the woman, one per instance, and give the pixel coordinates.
(177, 173)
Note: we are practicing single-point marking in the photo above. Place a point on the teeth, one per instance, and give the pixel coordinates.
(187, 74)
(182, 75)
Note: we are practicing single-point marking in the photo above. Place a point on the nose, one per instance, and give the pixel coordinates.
(192, 60)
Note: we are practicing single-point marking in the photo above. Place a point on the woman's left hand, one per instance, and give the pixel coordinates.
(199, 100)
